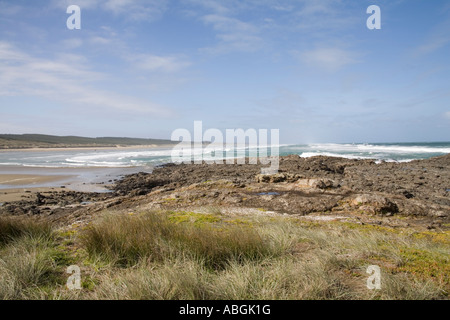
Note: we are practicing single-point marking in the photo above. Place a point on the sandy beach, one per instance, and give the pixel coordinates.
(20, 186)
(17, 181)
(17, 171)
(18, 194)
(29, 179)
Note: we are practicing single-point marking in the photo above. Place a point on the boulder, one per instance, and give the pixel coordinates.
(375, 204)
(315, 183)
(277, 177)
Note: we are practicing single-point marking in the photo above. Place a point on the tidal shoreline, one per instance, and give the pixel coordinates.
(84, 179)
(30, 179)
(394, 194)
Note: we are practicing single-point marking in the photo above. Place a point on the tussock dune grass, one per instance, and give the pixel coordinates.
(29, 259)
(189, 255)
(12, 228)
(128, 240)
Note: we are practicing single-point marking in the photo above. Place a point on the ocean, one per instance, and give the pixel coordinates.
(149, 158)
(395, 152)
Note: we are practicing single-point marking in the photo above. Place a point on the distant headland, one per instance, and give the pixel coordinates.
(29, 141)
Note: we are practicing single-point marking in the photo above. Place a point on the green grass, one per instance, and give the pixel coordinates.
(129, 240)
(30, 260)
(11, 229)
(198, 219)
(189, 255)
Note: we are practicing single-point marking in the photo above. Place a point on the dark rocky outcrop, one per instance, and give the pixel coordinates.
(302, 186)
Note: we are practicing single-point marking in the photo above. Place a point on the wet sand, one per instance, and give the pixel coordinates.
(17, 194)
(30, 179)
(15, 187)
(86, 179)
(83, 179)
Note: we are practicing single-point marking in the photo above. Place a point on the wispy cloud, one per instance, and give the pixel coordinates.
(272, 19)
(432, 45)
(327, 58)
(154, 63)
(137, 10)
(8, 9)
(447, 115)
(316, 17)
(233, 35)
(83, 4)
(72, 43)
(134, 10)
(97, 40)
(66, 80)
(438, 38)
(218, 7)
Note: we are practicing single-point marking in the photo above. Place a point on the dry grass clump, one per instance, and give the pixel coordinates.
(129, 240)
(12, 228)
(29, 259)
(188, 255)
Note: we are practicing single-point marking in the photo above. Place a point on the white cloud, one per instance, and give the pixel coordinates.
(438, 38)
(285, 8)
(159, 63)
(72, 43)
(226, 24)
(315, 7)
(83, 4)
(234, 35)
(431, 46)
(447, 115)
(66, 80)
(118, 6)
(215, 6)
(134, 10)
(328, 59)
(8, 9)
(317, 17)
(137, 10)
(96, 40)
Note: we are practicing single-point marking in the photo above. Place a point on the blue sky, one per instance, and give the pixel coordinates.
(310, 68)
